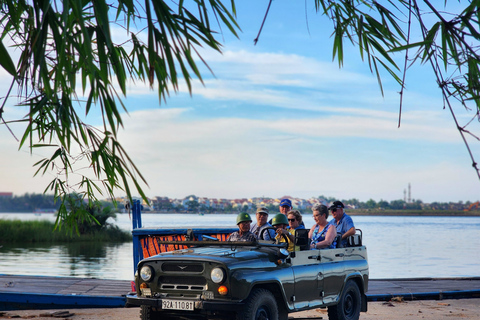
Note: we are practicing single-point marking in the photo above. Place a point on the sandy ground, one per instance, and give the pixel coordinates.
(427, 309)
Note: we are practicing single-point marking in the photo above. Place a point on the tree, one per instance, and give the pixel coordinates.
(86, 217)
(382, 204)
(353, 202)
(371, 204)
(272, 209)
(415, 205)
(397, 204)
(228, 208)
(166, 206)
(192, 205)
(63, 44)
(449, 42)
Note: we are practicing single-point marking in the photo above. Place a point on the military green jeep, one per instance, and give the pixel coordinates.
(201, 276)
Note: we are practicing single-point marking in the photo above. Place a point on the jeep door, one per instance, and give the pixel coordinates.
(308, 276)
(332, 261)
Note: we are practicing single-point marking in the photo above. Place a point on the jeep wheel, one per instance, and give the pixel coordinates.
(147, 313)
(348, 307)
(260, 305)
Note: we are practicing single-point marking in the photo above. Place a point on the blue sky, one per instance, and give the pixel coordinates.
(281, 118)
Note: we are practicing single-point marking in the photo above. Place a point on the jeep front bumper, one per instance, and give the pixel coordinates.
(206, 305)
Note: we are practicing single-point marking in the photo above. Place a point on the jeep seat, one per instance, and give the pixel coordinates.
(301, 239)
(356, 239)
(338, 240)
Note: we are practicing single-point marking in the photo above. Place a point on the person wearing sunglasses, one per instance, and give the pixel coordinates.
(322, 234)
(342, 221)
(295, 220)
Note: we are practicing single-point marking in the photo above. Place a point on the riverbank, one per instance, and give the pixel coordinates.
(393, 310)
(352, 212)
(360, 212)
(412, 213)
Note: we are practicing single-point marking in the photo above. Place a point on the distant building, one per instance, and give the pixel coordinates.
(6, 194)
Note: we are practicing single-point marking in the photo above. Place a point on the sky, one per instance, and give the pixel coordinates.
(281, 118)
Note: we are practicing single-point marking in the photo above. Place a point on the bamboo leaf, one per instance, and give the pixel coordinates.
(6, 61)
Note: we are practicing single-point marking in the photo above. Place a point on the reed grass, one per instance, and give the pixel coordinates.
(12, 231)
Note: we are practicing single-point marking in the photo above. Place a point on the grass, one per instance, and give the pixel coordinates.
(12, 231)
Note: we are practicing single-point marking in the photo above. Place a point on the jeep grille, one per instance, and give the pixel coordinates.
(182, 267)
(182, 283)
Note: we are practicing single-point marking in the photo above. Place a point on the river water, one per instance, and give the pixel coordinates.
(398, 247)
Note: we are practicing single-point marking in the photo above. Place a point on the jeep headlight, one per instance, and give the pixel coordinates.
(146, 273)
(217, 275)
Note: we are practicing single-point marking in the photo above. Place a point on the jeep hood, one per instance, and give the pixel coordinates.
(226, 255)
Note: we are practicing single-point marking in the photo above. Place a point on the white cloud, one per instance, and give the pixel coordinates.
(234, 157)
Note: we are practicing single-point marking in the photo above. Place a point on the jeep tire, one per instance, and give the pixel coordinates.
(348, 307)
(147, 313)
(260, 305)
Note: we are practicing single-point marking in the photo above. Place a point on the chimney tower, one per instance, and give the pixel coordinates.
(409, 193)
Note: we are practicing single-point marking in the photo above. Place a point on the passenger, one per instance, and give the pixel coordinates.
(243, 234)
(285, 207)
(322, 233)
(342, 221)
(280, 223)
(262, 216)
(295, 220)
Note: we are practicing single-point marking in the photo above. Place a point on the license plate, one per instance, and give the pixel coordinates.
(177, 305)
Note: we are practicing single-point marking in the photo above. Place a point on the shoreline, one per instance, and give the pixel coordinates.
(416, 213)
(350, 212)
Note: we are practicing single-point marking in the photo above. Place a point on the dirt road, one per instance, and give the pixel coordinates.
(425, 310)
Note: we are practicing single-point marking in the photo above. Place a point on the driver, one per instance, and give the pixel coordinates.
(280, 222)
(257, 228)
(243, 234)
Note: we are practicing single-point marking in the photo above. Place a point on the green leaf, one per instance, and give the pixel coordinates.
(6, 61)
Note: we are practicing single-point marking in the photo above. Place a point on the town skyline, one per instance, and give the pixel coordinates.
(193, 203)
(407, 197)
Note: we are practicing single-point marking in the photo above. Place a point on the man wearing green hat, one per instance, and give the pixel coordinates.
(243, 233)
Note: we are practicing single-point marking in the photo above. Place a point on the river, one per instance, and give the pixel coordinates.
(398, 247)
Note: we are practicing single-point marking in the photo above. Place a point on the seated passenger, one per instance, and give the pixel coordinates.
(257, 228)
(285, 207)
(322, 233)
(342, 221)
(295, 220)
(280, 223)
(243, 233)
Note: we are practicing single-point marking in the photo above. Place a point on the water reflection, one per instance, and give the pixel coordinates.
(83, 259)
(398, 247)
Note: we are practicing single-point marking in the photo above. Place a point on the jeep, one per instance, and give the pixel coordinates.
(201, 275)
